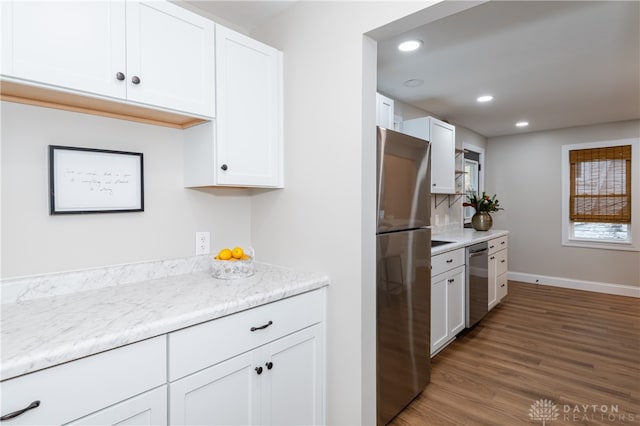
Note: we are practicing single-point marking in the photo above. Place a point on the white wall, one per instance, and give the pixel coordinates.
(525, 171)
(324, 219)
(33, 242)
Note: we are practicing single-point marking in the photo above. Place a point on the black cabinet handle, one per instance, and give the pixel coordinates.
(259, 370)
(502, 261)
(450, 280)
(135, 79)
(262, 327)
(269, 365)
(491, 246)
(492, 257)
(119, 76)
(224, 167)
(502, 285)
(450, 260)
(502, 242)
(34, 404)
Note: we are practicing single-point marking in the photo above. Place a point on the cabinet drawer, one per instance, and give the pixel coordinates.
(69, 391)
(498, 244)
(446, 261)
(203, 345)
(501, 262)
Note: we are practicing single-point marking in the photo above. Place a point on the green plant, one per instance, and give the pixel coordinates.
(485, 203)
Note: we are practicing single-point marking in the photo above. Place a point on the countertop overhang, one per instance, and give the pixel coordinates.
(41, 333)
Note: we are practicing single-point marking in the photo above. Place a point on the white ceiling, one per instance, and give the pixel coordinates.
(243, 13)
(553, 63)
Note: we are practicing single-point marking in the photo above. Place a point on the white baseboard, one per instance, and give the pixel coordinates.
(617, 289)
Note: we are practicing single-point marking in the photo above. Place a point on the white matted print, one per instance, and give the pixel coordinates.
(85, 180)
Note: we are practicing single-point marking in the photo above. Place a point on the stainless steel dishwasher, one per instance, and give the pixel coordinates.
(477, 283)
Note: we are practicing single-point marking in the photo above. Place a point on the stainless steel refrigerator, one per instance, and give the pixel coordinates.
(403, 272)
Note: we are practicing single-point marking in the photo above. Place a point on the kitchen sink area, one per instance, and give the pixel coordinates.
(436, 243)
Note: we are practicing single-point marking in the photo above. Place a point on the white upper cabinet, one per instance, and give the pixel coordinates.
(79, 45)
(170, 57)
(384, 111)
(249, 88)
(155, 53)
(243, 147)
(443, 150)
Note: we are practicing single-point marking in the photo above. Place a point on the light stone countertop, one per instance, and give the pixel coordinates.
(47, 331)
(463, 237)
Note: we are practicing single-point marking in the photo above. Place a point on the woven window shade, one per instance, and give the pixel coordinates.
(601, 185)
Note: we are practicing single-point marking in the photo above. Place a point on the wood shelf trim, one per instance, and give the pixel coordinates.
(58, 99)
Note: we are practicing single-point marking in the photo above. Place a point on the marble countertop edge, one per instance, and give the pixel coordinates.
(34, 355)
(464, 237)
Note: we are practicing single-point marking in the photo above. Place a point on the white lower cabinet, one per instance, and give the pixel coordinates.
(447, 298)
(456, 301)
(292, 388)
(74, 390)
(150, 409)
(279, 383)
(498, 268)
(275, 374)
(226, 393)
(261, 366)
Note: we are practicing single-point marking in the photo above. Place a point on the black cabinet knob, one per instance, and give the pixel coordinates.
(119, 76)
(269, 365)
(224, 167)
(135, 79)
(259, 370)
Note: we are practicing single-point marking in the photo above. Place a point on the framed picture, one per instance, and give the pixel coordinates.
(85, 180)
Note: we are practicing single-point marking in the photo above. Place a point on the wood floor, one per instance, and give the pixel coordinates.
(572, 348)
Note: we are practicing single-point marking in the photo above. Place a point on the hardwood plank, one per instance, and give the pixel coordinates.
(580, 350)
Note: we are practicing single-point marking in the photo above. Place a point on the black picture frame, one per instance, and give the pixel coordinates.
(88, 180)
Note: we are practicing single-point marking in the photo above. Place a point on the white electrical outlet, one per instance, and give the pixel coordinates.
(202, 243)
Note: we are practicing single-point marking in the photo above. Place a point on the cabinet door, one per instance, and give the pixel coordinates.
(150, 408)
(171, 51)
(72, 44)
(293, 386)
(225, 394)
(456, 301)
(493, 278)
(249, 121)
(501, 286)
(439, 315)
(443, 157)
(385, 111)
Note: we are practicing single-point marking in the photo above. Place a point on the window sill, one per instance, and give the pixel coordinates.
(602, 245)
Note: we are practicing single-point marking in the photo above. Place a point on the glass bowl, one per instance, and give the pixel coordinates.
(233, 268)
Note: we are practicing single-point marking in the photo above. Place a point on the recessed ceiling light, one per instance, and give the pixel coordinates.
(410, 45)
(522, 123)
(414, 82)
(485, 98)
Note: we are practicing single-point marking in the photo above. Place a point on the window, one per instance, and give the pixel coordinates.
(598, 194)
(473, 175)
(471, 184)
